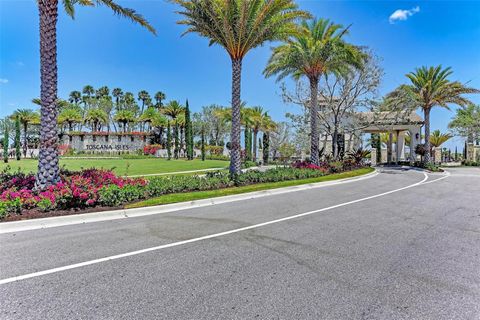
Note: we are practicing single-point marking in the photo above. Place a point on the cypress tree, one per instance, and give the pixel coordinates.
(203, 143)
(169, 141)
(188, 133)
(5, 143)
(17, 138)
(266, 147)
(456, 153)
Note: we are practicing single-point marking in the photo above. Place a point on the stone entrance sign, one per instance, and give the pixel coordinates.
(105, 143)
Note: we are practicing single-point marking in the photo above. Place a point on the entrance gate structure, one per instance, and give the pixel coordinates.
(396, 125)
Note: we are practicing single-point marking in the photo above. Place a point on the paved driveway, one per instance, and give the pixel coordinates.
(388, 247)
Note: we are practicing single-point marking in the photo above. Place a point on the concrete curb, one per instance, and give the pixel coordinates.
(42, 223)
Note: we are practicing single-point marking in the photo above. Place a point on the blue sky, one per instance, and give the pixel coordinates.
(99, 48)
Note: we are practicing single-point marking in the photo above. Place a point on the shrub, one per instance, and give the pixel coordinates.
(151, 149)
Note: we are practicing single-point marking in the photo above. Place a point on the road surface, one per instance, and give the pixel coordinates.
(399, 245)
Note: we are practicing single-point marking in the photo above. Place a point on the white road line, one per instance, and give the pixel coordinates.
(215, 235)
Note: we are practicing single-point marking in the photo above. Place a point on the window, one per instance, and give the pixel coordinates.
(81, 138)
(119, 138)
(132, 138)
(106, 138)
(94, 138)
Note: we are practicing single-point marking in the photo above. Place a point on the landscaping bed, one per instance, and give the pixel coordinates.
(97, 189)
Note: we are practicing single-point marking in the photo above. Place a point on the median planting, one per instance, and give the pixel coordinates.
(82, 190)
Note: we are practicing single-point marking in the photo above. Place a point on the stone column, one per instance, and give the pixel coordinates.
(400, 145)
(373, 156)
(413, 142)
(389, 147)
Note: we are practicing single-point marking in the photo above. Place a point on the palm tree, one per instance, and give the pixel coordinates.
(125, 117)
(437, 138)
(429, 88)
(88, 92)
(102, 92)
(48, 169)
(96, 118)
(117, 93)
(144, 96)
(317, 50)
(75, 97)
(70, 116)
(159, 96)
(257, 117)
(26, 117)
(160, 122)
(239, 26)
(174, 110)
(148, 115)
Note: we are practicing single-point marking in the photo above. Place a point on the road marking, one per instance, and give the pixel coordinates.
(215, 235)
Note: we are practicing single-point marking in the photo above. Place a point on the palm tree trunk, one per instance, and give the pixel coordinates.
(48, 169)
(314, 135)
(25, 140)
(254, 154)
(427, 158)
(236, 129)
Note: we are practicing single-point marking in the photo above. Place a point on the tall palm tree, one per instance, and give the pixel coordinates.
(317, 50)
(75, 97)
(48, 169)
(159, 97)
(88, 92)
(26, 117)
(429, 88)
(117, 93)
(144, 97)
(239, 26)
(102, 92)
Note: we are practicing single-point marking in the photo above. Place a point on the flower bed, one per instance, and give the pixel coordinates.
(102, 188)
(76, 190)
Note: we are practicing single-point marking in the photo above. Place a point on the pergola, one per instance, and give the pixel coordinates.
(396, 124)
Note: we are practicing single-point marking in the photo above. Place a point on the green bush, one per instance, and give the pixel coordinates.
(114, 196)
(10, 207)
(248, 164)
(336, 166)
(45, 205)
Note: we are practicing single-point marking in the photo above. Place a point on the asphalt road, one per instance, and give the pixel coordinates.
(382, 248)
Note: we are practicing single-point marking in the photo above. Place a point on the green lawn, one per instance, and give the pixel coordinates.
(124, 166)
(191, 196)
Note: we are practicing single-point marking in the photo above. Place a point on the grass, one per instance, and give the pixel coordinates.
(123, 166)
(190, 196)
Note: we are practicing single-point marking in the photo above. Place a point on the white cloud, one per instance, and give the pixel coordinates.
(3, 80)
(401, 15)
(20, 64)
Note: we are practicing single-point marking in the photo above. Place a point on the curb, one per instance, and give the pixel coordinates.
(51, 222)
